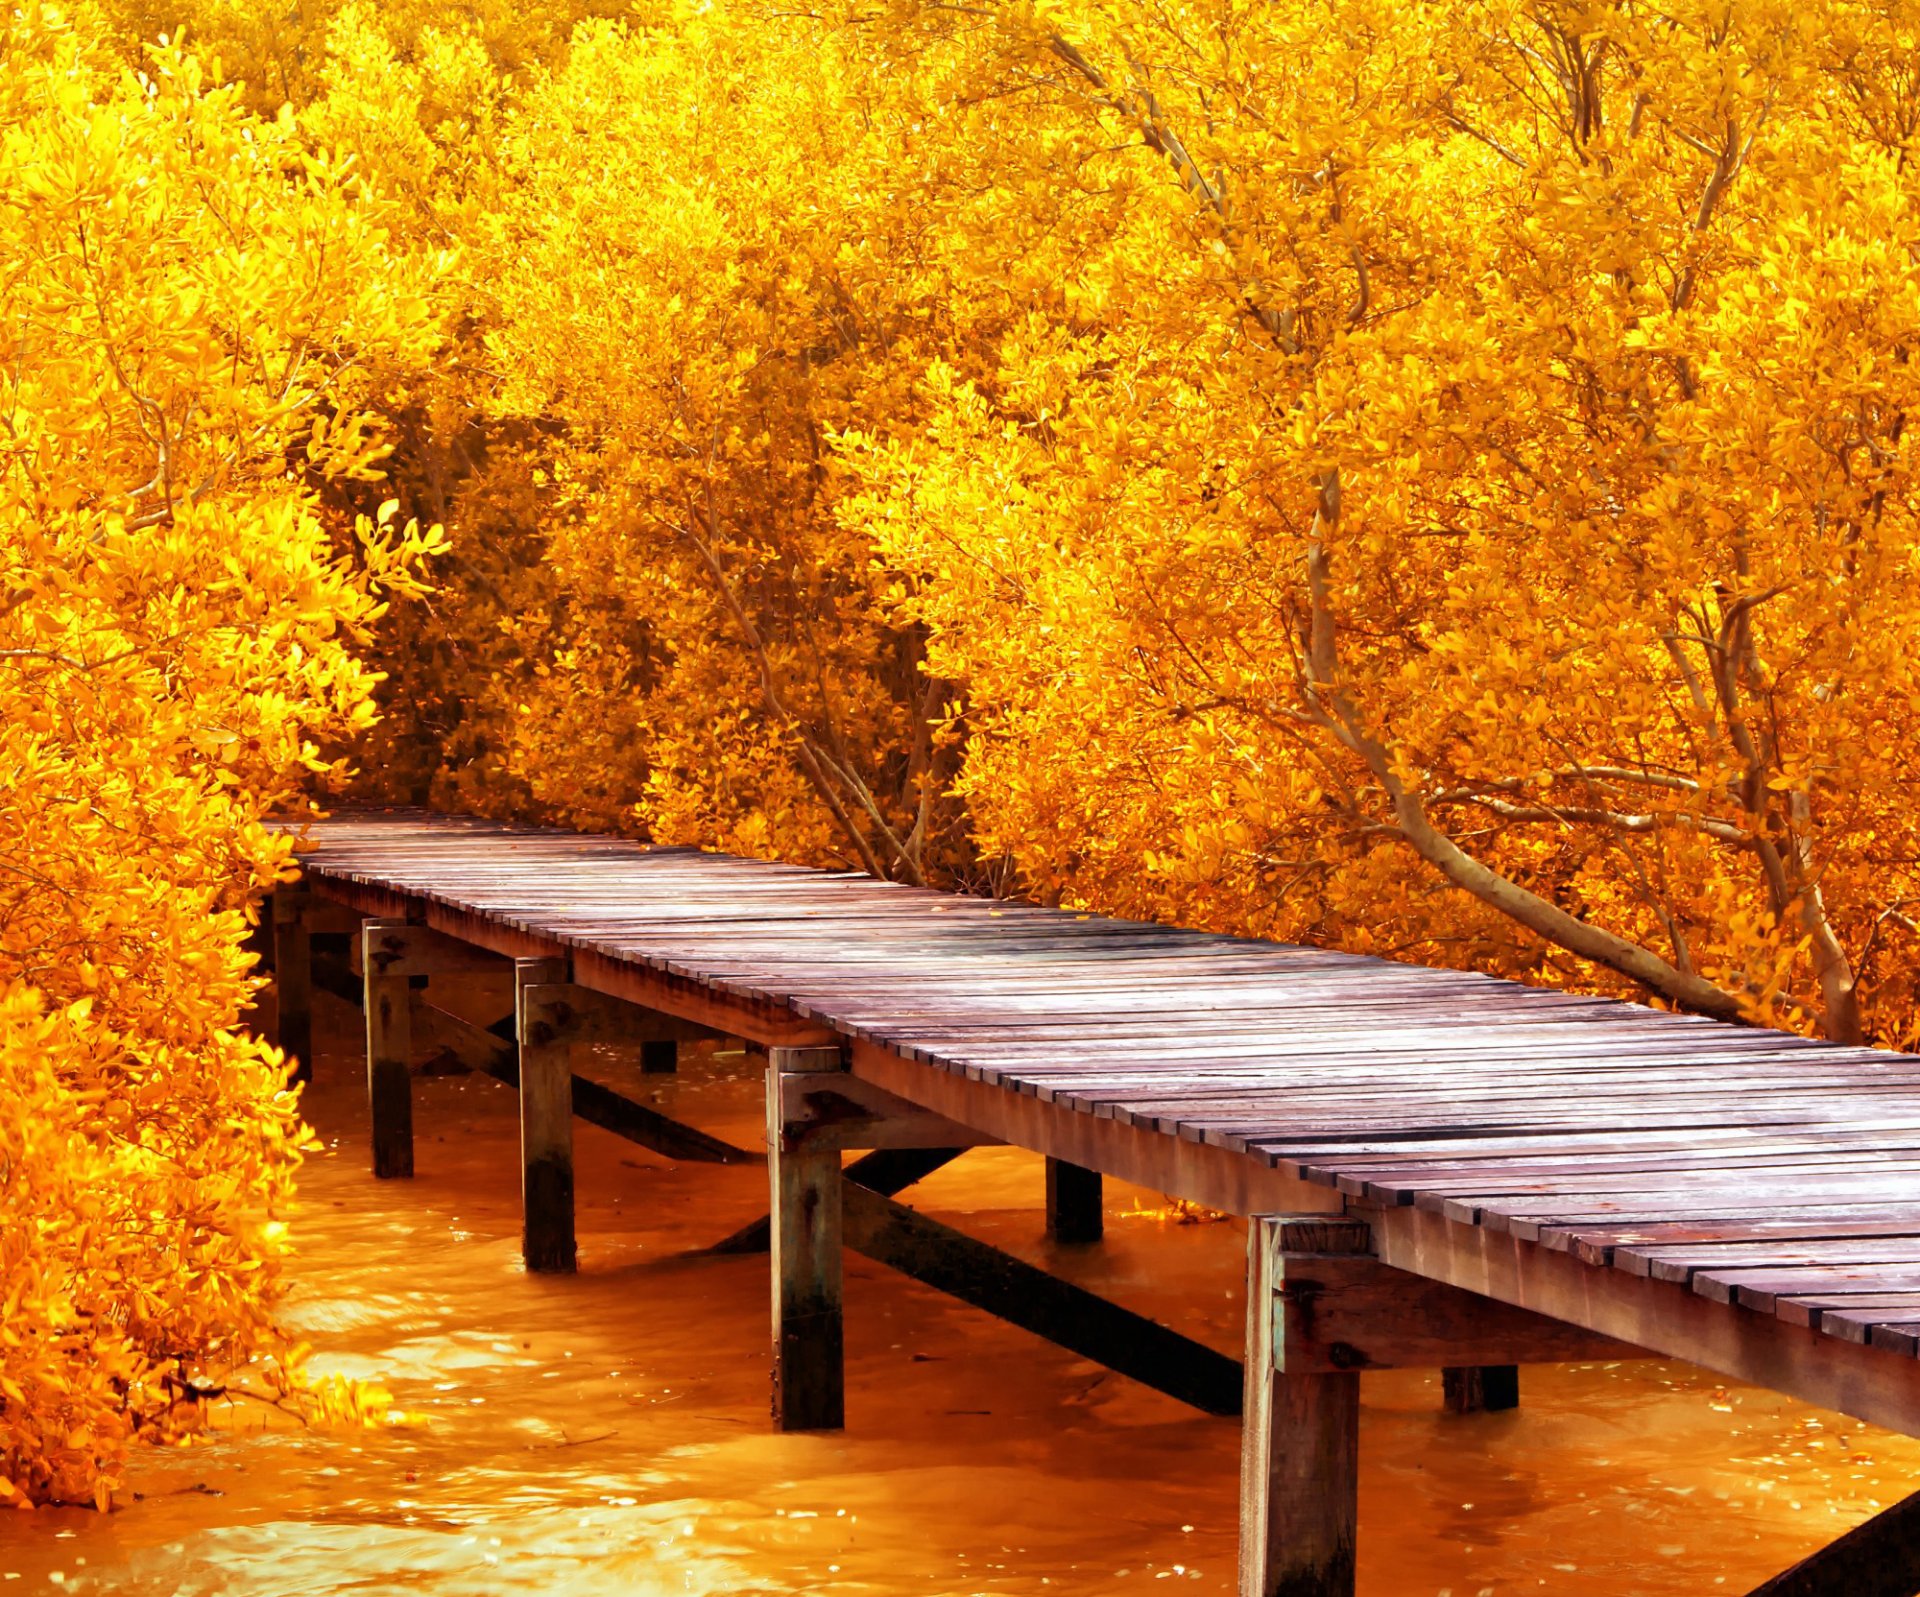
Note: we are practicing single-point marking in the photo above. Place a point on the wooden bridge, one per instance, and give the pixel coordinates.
(1437, 1168)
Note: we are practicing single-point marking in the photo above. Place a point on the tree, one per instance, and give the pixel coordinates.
(1459, 505)
(204, 317)
(690, 292)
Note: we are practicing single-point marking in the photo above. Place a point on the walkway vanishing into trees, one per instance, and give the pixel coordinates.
(1438, 1168)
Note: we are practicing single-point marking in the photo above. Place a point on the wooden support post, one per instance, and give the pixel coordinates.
(1300, 1432)
(809, 1365)
(1480, 1388)
(293, 979)
(659, 1058)
(546, 1122)
(1074, 1196)
(389, 1006)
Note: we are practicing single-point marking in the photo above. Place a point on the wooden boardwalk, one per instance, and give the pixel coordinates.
(1439, 1167)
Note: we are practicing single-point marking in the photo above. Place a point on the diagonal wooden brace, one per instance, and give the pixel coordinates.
(1879, 1558)
(1348, 1311)
(1022, 1294)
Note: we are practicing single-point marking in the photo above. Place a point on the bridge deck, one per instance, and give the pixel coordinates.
(1740, 1198)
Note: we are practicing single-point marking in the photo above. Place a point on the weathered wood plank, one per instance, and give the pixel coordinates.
(404, 948)
(1205, 1174)
(833, 1110)
(1348, 1311)
(571, 1013)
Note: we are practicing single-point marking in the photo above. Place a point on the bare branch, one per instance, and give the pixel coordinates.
(1328, 703)
(1567, 814)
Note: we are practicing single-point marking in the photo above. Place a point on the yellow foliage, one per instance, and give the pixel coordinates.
(1432, 480)
(682, 292)
(1460, 505)
(202, 309)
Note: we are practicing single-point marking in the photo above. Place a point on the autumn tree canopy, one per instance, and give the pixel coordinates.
(201, 308)
(1459, 506)
(1428, 480)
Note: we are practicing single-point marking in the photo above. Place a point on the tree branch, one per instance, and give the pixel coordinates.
(1330, 706)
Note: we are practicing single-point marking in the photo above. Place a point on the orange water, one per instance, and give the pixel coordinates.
(608, 1433)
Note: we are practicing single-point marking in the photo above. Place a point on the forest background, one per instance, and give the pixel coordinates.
(1427, 480)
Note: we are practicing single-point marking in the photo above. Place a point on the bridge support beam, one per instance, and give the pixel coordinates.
(1320, 1309)
(394, 954)
(546, 1118)
(803, 1180)
(1480, 1388)
(293, 978)
(1300, 1430)
(1074, 1203)
(389, 1008)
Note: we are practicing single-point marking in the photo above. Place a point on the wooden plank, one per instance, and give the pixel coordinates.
(733, 1014)
(399, 948)
(1300, 1440)
(389, 1000)
(1880, 1558)
(1075, 1212)
(1200, 1173)
(601, 1106)
(804, 1187)
(546, 1117)
(293, 980)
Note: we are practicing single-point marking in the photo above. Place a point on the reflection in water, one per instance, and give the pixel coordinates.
(608, 1433)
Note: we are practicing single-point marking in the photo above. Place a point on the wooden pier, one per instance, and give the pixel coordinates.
(1438, 1168)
